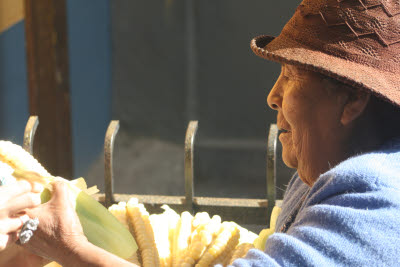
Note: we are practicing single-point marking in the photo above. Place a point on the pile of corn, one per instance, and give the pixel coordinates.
(168, 239)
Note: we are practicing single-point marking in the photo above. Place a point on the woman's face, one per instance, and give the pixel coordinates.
(309, 114)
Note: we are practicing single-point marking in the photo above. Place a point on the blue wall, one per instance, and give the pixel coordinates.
(90, 80)
(13, 84)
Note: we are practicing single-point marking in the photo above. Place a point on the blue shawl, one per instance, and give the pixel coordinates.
(349, 217)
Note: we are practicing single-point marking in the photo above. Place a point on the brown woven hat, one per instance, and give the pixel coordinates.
(354, 41)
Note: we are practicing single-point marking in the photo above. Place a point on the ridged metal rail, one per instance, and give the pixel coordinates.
(241, 210)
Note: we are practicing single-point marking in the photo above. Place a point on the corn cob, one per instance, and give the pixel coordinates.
(140, 226)
(240, 251)
(181, 240)
(161, 237)
(225, 242)
(16, 157)
(260, 241)
(119, 211)
(99, 226)
(246, 236)
(200, 218)
(135, 259)
(227, 253)
(274, 216)
(172, 219)
(201, 238)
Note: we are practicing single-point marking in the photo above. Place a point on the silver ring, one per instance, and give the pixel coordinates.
(27, 230)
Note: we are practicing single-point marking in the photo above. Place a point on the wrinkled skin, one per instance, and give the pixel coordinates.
(59, 230)
(17, 256)
(60, 236)
(318, 118)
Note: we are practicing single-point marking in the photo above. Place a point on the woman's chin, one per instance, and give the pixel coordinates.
(289, 159)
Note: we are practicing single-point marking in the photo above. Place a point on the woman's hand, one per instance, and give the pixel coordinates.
(60, 237)
(14, 199)
(59, 232)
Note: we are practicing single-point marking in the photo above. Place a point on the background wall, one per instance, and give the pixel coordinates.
(13, 84)
(90, 76)
(179, 60)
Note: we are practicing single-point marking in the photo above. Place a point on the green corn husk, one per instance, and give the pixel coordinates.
(99, 226)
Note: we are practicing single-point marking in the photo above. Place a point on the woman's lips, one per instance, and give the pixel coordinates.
(284, 135)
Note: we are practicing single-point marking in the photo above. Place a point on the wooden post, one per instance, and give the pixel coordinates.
(47, 61)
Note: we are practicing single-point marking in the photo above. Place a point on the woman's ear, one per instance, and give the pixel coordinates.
(355, 105)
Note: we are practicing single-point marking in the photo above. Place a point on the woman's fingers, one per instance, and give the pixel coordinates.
(6, 240)
(22, 202)
(14, 190)
(11, 225)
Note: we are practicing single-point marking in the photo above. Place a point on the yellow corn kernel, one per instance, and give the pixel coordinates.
(200, 218)
(274, 216)
(139, 224)
(18, 158)
(201, 238)
(246, 236)
(226, 255)
(240, 251)
(172, 221)
(182, 235)
(135, 259)
(261, 240)
(225, 242)
(119, 211)
(150, 233)
(161, 235)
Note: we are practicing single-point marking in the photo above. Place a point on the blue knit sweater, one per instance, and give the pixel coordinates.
(349, 217)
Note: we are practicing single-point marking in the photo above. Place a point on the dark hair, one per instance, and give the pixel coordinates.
(385, 117)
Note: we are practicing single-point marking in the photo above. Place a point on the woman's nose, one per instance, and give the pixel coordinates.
(274, 98)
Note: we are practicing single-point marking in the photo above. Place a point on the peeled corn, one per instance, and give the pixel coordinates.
(139, 222)
(184, 241)
(100, 227)
(260, 241)
(240, 251)
(225, 242)
(182, 235)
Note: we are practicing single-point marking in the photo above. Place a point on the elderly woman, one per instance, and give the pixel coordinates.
(338, 104)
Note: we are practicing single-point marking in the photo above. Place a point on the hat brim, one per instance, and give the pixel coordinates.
(287, 51)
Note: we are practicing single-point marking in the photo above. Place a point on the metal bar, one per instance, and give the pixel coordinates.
(29, 134)
(242, 211)
(111, 133)
(189, 147)
(271, 167)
